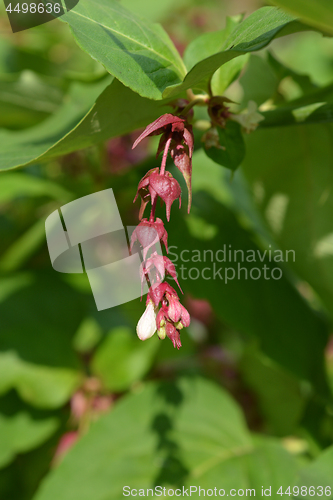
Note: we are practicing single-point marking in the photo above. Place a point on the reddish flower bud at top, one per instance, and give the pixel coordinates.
(176, 129)
(162, 124)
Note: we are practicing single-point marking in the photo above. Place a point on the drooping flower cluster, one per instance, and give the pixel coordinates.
(164, 313)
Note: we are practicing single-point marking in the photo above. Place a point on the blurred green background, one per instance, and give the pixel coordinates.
(85, 407)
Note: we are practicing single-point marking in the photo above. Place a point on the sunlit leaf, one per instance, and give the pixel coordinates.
(318, 13)
(188, 433)
(139, 54)
(254, 33)
(117, 111)
(20, 433)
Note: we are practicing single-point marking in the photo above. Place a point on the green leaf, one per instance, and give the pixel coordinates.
(23, 147)
(259, 81)
(281, 397)
(20, 433)
(188, 433)
(41, 386)
(254, 33)
(155, 11)
(23, 248)
(313, 107)
(117, 111)
(121, 360)
(291, 166)
(225, 75)
(26, 99)
(316, 113)
(317, 13)
(301, 79)
(140, 55)
(318, 474)
(207, 45)
(231, 150)
(49, 315)
(17, 185)
(88, 335)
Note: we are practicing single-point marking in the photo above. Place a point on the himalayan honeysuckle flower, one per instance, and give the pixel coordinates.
(177, 138)
(146, 326)
(164, 313)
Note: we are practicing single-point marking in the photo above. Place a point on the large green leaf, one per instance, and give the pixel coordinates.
(291, 169)
(20, 433)
(22, 147)
(189, 433)
(207, 45)
(140, 55)
(117, 111)
(318, 13)
(230, 150)
(255, 33)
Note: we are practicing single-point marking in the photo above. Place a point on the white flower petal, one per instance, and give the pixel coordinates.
(146, 326)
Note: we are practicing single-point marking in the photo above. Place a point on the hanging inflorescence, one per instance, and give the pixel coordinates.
(164, 313)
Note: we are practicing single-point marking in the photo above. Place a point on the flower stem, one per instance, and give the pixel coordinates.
(152, 212)
(195, 100)
(165, 154)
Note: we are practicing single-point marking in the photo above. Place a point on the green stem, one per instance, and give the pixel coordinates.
(195, 100)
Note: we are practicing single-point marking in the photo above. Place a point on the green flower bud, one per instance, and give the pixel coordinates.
(161, 332)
